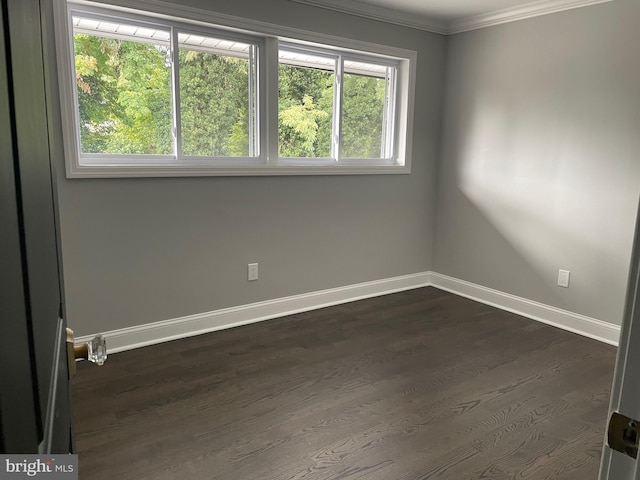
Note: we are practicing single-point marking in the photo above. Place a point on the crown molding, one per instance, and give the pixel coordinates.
(388, 15)
(529, 10)
(382, 14)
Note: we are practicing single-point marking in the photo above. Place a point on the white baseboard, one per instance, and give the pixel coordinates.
(163, 331)
(572, 322)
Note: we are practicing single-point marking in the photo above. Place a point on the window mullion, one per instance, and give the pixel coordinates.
(390, 108)
(253, 143)
(384, 151)
(269, 114)
(336, 143)
(387, 122)
(175, 72)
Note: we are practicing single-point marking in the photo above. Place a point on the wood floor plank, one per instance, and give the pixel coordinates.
(420, 384)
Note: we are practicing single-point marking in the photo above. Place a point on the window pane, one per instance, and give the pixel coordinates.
(306, 84)
(363, 111)
(217, 97)
(123, 82)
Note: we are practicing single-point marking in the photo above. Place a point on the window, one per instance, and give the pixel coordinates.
(149, 96)
(130, 109)
(123, 84)
(368, 102)
(334, 108)
(217, 97)
(306, 91)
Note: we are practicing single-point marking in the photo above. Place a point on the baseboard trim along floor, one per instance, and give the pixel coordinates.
(572, 322)
(190, 325)
(163, 331)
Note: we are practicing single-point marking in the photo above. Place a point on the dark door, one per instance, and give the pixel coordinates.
(625, 392)
(35, 414)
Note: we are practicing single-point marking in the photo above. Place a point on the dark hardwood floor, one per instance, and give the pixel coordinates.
(416, 385)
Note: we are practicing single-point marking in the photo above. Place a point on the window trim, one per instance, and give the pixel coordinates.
(268, 163)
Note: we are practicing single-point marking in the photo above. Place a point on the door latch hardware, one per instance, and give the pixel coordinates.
(623, 434)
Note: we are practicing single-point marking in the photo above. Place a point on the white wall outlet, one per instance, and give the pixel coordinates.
(563, 278)
(252, 271)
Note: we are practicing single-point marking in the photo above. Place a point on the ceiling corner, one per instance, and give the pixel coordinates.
(390, 15)
(530, 10)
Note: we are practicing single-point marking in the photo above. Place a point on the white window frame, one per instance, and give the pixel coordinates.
(268, 37)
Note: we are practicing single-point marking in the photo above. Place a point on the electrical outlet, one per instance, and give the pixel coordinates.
(252, 271)
(563, 278)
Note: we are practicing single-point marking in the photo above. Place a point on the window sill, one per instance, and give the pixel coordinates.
(199, 170)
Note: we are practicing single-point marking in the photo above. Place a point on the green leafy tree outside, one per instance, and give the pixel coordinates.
(214, 103)
(362, 119)
(124, 96)
(305, 105)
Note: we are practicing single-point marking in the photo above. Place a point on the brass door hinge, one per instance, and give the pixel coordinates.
(71, 358)
(623, 434)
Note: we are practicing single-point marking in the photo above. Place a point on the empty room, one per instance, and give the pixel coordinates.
(322, 239)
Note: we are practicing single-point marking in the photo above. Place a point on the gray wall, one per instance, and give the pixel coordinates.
(145, 250)
(540, 165)
(536, 169)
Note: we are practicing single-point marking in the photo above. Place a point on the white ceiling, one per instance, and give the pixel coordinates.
(450, 16)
